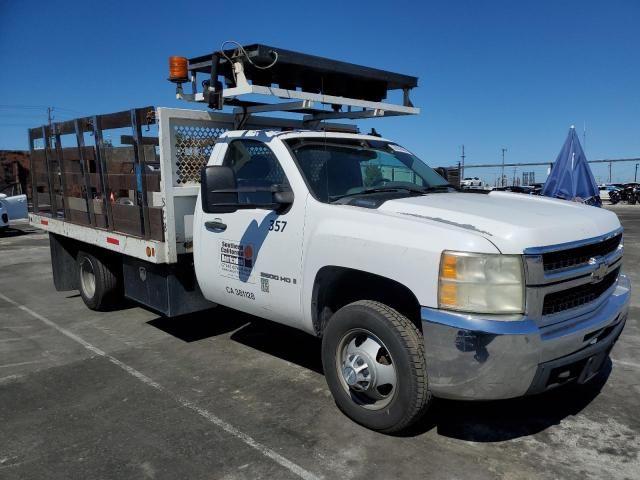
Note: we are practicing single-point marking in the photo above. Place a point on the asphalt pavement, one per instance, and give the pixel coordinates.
(223, 395)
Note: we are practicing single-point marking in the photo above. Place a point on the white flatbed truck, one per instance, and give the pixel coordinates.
(416, 289)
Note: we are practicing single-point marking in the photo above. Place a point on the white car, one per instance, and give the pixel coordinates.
(4, 217)
(605, 190)
(474, 182)
(12, 208)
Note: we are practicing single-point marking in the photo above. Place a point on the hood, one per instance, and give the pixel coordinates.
(511, 221)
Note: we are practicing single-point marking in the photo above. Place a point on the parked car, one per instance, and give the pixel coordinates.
(14, 208)
(605, 191)
(614, 196)
(631, 193)
(4, 217)
(469, 182)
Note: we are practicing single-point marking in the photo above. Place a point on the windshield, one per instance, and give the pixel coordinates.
(334, 168)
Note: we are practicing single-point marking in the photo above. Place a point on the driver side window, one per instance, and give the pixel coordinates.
(255, 166)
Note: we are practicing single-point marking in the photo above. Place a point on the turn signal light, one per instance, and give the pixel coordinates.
(449, 267)
(178, 69)
(448, 294)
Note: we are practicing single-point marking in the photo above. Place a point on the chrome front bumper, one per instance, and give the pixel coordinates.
(476, 358)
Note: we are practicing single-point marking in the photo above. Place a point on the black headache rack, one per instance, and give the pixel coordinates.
(307, 82)
(310, 73)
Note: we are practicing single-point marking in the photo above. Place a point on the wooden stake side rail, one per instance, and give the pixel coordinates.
(100, 185)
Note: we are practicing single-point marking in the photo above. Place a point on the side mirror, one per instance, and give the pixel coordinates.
(220, 193)
(283, 198)
(219, 189)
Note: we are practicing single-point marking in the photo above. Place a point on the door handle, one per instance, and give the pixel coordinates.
(216, 225)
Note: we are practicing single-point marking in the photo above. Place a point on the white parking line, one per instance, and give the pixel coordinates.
(9, 378)
(16, 339)
(227, 427)
(626, 364)
(19, 364)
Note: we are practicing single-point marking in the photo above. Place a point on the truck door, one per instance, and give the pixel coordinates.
(253, 263)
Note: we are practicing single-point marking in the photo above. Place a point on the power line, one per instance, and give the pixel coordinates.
(21, 115)
(40, 107)
(527, 164)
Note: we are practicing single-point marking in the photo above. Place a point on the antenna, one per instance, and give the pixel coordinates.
(502, 180)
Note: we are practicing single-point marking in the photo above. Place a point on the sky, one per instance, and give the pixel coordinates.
(492, 74)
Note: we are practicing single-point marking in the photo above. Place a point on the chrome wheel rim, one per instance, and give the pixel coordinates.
(87, 277)
(366, 369)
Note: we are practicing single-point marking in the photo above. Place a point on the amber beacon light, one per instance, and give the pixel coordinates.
(178, 71)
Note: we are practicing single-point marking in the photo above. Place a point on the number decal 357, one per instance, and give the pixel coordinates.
(277, 225)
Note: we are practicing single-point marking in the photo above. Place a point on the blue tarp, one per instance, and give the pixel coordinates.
(571, 177)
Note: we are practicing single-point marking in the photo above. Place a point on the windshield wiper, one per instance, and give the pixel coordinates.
(418, 190)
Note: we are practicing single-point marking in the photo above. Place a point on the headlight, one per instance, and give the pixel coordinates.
(481, 283)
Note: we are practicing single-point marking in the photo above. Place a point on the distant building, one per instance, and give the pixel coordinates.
(14, 172)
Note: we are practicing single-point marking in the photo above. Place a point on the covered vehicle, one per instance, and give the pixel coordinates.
(571, 177)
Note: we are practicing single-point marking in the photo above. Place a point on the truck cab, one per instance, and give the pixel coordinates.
(507, 300)
(335, 181)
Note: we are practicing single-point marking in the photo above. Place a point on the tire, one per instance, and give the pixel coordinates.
(364, 396)
(98, 282)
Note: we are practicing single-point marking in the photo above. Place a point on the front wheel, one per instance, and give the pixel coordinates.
(373, 359)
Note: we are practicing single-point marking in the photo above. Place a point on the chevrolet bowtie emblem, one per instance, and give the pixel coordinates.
(601, 269)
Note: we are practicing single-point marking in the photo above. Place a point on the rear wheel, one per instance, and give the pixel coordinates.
(373, 359)
(98, 282)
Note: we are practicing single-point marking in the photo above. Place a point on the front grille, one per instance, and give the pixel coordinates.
(574, 297)
(575, 257)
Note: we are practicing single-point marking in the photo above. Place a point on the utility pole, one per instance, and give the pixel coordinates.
(635, 177)
(462, 164)
(502, 182)
(49, 120)
(609, 172)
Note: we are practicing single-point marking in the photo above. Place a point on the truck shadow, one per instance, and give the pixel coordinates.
(490, 421)
(271, 338)
(11, 231)
(500, 420)
(283, 342)
(201, 325)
